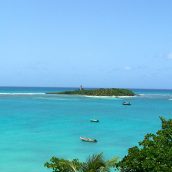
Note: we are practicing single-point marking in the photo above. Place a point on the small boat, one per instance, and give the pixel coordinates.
(126, 103)
(94, 120)
(85, 139)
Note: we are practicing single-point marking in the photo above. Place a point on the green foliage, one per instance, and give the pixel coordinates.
(99, 92)
(62, 165)
(94, 163)
(154, 153)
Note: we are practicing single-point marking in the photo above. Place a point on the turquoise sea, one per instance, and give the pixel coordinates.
(35, 126)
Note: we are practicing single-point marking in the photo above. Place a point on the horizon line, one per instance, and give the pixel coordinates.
(84, 87)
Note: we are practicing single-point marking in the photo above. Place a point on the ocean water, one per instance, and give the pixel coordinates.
(35, 126)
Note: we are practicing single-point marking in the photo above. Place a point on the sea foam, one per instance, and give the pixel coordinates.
(21, 94)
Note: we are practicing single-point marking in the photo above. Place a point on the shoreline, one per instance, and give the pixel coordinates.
(109, 96)
(77, 95)
(44, 93)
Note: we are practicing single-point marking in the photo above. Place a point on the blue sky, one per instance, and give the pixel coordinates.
(97, 43)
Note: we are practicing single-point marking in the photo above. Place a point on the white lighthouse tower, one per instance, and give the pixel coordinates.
(81, 88)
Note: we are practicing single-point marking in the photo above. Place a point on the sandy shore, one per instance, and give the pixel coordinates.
(109, 96)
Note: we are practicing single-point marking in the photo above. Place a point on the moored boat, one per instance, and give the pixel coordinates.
(94, 120)
(126, 103)
(85, 139)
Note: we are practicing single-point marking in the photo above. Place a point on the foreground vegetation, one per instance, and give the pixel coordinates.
(95, 163)
(154, 154)
(99, 92)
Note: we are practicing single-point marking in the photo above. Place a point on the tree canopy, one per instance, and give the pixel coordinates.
(153, 154)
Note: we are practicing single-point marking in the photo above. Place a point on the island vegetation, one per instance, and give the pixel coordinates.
(153, 154)
(99, 92)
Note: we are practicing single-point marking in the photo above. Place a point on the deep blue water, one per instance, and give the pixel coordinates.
(36, 126)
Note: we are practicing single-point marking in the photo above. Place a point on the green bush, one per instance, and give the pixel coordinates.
(154, 153)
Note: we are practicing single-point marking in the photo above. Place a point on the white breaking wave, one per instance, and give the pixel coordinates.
(22, 94)
(162, 95)
(141, 94)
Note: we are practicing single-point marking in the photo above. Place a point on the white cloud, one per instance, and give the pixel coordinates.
(127, 68)
(169, 56)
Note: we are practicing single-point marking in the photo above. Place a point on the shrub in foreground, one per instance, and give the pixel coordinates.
(154, 153)
(94, 163)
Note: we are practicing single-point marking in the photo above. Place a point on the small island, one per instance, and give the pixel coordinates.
(98, 92)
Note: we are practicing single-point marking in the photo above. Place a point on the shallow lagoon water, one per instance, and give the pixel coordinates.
(35, 127)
